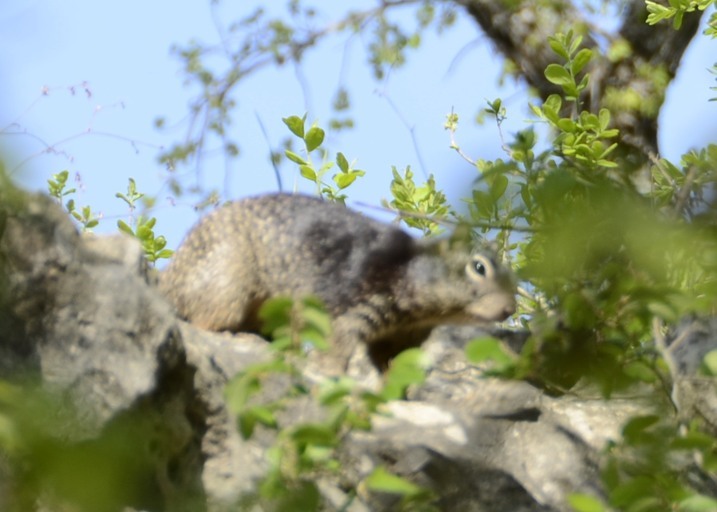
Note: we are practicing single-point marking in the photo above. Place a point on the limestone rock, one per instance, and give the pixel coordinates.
(79, 317)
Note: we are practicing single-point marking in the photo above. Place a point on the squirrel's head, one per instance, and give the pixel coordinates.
(461, 283)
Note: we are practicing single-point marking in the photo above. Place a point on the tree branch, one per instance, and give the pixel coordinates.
(520, 30)
(656, 54)
(632, 87)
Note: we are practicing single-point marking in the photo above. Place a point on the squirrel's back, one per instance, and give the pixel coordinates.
(378, 283)
(279, 244)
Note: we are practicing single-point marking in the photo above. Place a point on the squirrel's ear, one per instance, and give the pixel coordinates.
(435, 245)
(461, 239)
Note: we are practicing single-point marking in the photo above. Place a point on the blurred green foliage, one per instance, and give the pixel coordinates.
(313, 138)
(57, 188)
(609, 255)
(605, 266)
(153, 245)
(303, 451)
(45, 461)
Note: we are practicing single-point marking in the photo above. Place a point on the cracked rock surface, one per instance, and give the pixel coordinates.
(80, 317)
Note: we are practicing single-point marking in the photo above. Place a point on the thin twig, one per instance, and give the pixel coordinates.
(684, 193)
(446, 222)
(277, 174)
(411, 130)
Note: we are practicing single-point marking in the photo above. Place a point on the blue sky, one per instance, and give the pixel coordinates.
(104, 132)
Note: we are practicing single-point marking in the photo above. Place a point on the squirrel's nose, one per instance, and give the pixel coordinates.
(508, 310)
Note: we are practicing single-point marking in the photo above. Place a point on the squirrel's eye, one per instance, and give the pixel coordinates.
(479, 268)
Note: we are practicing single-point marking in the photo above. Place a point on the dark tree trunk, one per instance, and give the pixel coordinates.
(520, 31)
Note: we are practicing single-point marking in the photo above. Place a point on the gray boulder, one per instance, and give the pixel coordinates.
(139, 390)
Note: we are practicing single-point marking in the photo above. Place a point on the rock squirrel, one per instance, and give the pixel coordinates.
(381, 286)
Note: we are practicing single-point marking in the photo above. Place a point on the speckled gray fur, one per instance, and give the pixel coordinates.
(381, 286)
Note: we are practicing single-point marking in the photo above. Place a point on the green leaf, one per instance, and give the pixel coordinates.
(557, 46)
(494, 107)
(677, 21)
(608, 134)
(239, 390)
(132, 189)
(160, 242)
(709, 363)
(584, 82)
(249, 418)
(246, 424)
(640, 371)
(634, 429)
(333, 391)
(558, 75)
(318, 318)
(294, 157)
(697, 503)
(315, 433)
(632, 491)
(308, 172)
(498, 187)
(585, 503)
(301, 495)
(383, 481)
(295, 124)
(574, 43)
(342, 162)
(488, 349)
(61, 176)
(537, 111)
(144, 233)
(264, 415)
(581, 59)
(274, 313)
(693, 441)
(606, 163)
(407, 368)
(657, 12)
(124, 227)
(344, 180)
(604, 119)
(552, 107)
(567, 125)
(314, 138)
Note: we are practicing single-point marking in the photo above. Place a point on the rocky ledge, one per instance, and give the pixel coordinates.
(138, 405)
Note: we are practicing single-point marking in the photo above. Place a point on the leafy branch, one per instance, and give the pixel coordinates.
(312, 139)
